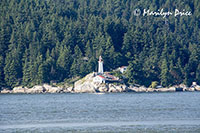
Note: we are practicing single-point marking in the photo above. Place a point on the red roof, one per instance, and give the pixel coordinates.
(100, 59)
(101, 76)
(123, 66)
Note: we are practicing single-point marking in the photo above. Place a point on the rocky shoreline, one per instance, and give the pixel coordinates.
(86, 85)
(107, 88)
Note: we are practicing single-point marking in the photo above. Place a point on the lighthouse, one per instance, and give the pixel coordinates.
(100, 68)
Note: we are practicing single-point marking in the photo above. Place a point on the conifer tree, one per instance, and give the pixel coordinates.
(1, 72)
(187, 77)
(26, 72)
(77, 61)
(164, 76)
(64, 62)
(11, 69)
(134, 73)
(198, 74)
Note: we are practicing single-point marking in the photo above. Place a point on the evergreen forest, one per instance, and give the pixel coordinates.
(56, 40)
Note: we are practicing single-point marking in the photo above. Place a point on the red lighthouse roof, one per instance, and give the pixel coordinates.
(101, 76)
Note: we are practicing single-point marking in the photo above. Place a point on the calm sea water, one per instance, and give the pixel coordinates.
(121, 112)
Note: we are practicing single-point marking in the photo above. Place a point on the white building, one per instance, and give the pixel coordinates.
(194, 83)
(99, 79)
(123, 69)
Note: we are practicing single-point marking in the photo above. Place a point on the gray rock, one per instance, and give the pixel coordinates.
(120, 88)
(132, 89)
(36, 89)
(197, 88)
(190, 89)
(68, 90)
(112, 88)
(141, 89)
(47, 87)
(85, 85)
(150, 90)
(171, 89)
(55, 90)
(50, 89)
(103, 88)
(19, 89)
(84, 88)
(116, 88)
(5, 91)
(184, 87)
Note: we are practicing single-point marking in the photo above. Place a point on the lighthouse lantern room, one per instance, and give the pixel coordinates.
(100, 67)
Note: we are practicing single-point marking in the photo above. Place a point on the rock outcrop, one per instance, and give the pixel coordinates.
(19, 89)
(49, 89)
(36, 89)
(86, 85)
(102, 88)
(85, 88)
(116, 88)
(5, 91)
(45, 88)
(137, 89)
(197, 88)
(171, 89)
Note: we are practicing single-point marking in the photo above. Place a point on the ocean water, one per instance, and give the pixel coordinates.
(116, 112)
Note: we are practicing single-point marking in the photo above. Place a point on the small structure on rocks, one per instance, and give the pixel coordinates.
(99, 79)
(122, 69)
(103, 77)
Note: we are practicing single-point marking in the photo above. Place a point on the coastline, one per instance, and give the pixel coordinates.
(44, 89)
(87, 85)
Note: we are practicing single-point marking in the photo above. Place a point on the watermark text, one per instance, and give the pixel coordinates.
(162, 13)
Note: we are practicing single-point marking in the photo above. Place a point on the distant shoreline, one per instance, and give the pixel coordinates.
(47, 89)
(89, 85)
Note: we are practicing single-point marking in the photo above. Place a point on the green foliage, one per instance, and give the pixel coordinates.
(117, 74)
(134, 72)
(77, 65)
(64, 63)
(49, 40)
(1, 72)
(198, 74)
(164, 76)
(154, 84)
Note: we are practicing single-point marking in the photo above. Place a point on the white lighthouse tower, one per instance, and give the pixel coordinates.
(100, 68)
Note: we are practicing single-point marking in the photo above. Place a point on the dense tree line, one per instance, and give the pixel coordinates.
(44, 40)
